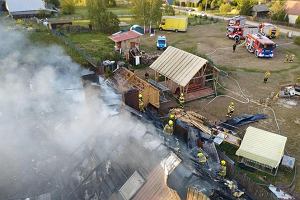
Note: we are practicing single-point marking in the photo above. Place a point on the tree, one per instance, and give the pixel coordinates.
(298, 21)
(68, 7)
(101, 19)
(110, 3)
(245, 6)
(225, 8)
(54, 2)
(147, 12)
(278, 11)
(169, 10)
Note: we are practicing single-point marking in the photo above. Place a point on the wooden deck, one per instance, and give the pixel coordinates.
(203, 92)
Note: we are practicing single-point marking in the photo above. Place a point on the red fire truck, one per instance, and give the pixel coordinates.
(239, 32)
(237, 21)
(260, 45)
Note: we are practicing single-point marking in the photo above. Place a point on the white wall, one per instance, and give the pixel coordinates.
(292, 19)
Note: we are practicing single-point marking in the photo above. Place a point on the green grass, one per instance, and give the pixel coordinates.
(121, 10)
(45, 38)
(98, 45)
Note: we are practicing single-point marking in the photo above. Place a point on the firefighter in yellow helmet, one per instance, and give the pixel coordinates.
(223, 169)
(267, 76)
(181, 100)
(141, 103)
(202, 158)
(230, 109)
(172, 117)
(169, 128)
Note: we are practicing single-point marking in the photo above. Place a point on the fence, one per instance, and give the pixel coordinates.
(257, 192)
(70, 44)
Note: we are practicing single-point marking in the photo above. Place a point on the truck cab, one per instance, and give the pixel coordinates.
(269, 30)
(237, 21)
(161, 42)
(260, 45)
(239, 32)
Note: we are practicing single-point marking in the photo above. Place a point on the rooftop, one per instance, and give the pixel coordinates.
(293, 7)
(119, 37)
(262, 146)
(178, 65)
(262, 39)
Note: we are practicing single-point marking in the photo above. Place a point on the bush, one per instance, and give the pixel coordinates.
(298, 21)
(297, 40)
(68, 7)
(225, 8)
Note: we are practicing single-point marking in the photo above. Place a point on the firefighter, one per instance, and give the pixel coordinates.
(181, 100)
(168, 129)
(291, 59)
(202, 158)
(287, 58)
(141, 103)
(223, 169)
(230, 109)
(234, 47)
(267, 76)
(146, 76)
(172, 117)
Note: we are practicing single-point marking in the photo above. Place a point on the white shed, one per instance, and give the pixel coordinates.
(262, 150)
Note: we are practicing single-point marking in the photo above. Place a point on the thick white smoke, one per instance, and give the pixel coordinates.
(45, 116)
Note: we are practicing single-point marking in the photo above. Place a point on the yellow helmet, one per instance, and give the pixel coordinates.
(181, 94)
(231, 103)
(223, 162)
(200, 154)
(171, 123)
(140, 96)
(172, 116)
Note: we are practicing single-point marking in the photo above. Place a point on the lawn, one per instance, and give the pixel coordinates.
(45, 38)
(98, 45)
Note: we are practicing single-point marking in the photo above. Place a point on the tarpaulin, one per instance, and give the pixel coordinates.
(242, 120)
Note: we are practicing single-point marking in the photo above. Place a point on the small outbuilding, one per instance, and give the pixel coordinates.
(28, 8)
(183, 72)
(262, 150)
(127, 43)
(293, 10)
(260, 11)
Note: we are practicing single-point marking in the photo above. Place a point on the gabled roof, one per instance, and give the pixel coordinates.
(293, 7)
(262, 146)
(178, 65)
(119, 37)
(28, 5)
(260, 8)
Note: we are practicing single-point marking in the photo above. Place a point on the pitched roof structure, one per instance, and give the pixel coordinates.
(293, 7)
(119, 37)
(22, 6)
(178, 65)
(260, 8)
(262, 146)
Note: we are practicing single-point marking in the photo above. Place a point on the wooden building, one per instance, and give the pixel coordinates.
(183, 72)
(260, 11)
(126, 41)
(131, 85)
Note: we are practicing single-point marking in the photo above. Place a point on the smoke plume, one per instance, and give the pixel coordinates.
(45, 114)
